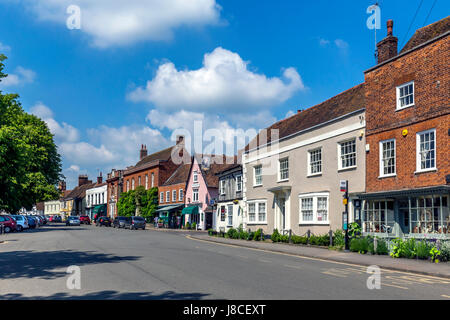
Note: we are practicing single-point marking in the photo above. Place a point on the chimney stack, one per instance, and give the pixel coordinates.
(82, 179)
(387, 48)
(143, 152)
(100, 179)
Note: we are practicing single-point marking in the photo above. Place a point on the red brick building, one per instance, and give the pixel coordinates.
(408, 136)
(115, 188)
(171, 196)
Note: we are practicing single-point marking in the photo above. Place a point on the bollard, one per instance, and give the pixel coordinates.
(262, 235)
(375, 244)
(331, 238)
(308, 235)
(290, 236)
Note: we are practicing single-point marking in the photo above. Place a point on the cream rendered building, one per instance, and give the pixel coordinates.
(292, 182)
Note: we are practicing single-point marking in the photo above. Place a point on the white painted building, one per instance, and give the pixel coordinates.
(96, 199)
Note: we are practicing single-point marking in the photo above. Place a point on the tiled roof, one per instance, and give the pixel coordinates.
(427, 33)
(79, 191)
(210, 173)
(160, 155)
(340, 105)
(180, 175)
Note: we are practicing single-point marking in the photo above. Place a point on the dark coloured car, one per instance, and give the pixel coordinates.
(85, 220)
(32, 224)
(135, 223)
(44, 219)
(8, 223)
(56, 218)
(120, 222)
(73, 221)
(103, 221)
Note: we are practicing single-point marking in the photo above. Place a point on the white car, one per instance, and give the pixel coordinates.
(22, 222)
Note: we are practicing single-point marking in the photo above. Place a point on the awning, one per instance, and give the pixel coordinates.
(190, 210)
(169, 208)
(405, 193)
(280, 189)
(101, 208)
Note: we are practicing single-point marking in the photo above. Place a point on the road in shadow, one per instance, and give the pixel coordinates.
(40, 264)
(112, 295)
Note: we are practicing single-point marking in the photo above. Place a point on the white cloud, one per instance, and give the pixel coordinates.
(119, 22)
(4, 48)
(20, 77)
(324, 42)
(224, 81)
(341, 44)
(63, 132)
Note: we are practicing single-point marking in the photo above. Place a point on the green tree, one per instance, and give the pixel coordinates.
(138, 202)
(30, 166)
(126, 206)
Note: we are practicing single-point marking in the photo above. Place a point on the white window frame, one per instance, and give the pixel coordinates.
(314, 197)
(254, 176)
(229, 215)
(418, 158)
(161, 197)
(146, 182)
(257, 220)
(180, 195)
(310, 174)
(280, 179)
(195, 177)
(398, 88)
(153, 179)
(167, 196)
(128, 185)
(340, 143)
(195, 194)
(174, 195)
(132, 183)
(222, 187)
(382, 174)
(239, 183)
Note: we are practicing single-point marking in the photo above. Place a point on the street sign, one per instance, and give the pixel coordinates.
(345, 220)
(343, 185)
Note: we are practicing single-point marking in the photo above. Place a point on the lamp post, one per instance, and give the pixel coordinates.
(344, 188)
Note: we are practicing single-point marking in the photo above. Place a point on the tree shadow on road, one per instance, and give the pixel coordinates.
(41, 264)
(112, 295)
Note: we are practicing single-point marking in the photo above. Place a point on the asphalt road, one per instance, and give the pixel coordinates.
(125, 264)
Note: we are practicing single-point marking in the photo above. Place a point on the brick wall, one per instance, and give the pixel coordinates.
(171, 188)
(429, 69)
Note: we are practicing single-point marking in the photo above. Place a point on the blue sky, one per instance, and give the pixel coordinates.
(137, 70)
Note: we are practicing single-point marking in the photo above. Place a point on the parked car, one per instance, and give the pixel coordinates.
(56, 218)
(103, 221)
(21, 221)
(73, 221)
(32, 224)
(135, 223)
(50, 219)
(119, 222)
(9, 224)
(85, 220)
(44, 219)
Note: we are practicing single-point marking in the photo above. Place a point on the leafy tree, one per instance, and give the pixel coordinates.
(138, 202)
(30, 165)
(126, 206)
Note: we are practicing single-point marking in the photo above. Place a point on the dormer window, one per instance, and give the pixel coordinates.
(405, 95)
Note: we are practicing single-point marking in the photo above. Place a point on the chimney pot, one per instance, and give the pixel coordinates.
(143, 152)
(387, 48)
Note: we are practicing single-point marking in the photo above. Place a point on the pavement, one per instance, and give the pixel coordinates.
(384, 262)
(119, 264)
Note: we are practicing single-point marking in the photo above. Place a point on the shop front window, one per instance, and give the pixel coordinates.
(378, 216)
(430, 215)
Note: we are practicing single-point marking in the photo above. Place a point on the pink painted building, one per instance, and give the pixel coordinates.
(202, 189)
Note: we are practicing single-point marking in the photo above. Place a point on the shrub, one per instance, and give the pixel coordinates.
(194, 226)
(275, 237)
(257, 235)
(251, 235)
(299, 240)
(313, 240)
(284, 238)
(382, 248)
(232, 233)
(243, 235)
(212, 232)
(354, 230)
(188, 225)
(339, 238)
(423, 250)
(445, 251)
(360, 245)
